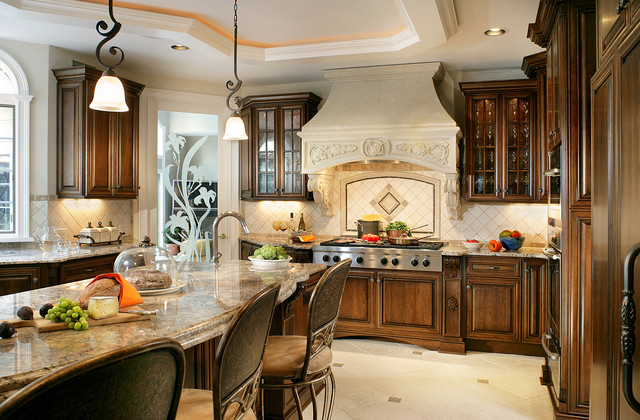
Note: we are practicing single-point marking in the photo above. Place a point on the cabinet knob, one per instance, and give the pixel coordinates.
(468, 287)
(89, 270)
(35, 279)
(222, 236)
(622, 5)
(371, 279)
(540, 190)
(527, 270)
(552, 133)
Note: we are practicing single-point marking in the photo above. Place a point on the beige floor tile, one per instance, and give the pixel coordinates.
(439, 405)
(522, 410)
(543, 401)
(384, 411)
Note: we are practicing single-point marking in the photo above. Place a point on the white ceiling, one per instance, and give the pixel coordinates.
(282, 41)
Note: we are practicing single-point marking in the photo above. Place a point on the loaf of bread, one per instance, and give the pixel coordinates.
(148, 278)
(100, 287)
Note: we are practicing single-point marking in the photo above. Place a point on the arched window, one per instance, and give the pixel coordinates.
(14, 151)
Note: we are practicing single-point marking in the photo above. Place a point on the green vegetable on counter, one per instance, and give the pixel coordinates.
(270, 252)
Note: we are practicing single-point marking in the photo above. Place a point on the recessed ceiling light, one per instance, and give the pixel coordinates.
(495, 31)
(179, 47)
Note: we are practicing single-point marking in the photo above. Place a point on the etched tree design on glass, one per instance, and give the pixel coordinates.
(189, 183)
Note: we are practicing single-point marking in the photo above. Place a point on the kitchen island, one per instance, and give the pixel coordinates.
(196, 314)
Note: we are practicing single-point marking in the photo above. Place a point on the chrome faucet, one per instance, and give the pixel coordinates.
(216, 255)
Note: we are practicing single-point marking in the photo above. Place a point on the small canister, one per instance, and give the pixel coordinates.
(89, 235)
(113, 232)
(105, 235)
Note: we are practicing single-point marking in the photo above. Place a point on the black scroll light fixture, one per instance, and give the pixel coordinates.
(234, 129)
(109, 92)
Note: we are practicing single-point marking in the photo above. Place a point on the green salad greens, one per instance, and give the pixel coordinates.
(270, 252)
(397, 225)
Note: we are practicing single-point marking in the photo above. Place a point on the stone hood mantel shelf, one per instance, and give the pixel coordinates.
(382, 113)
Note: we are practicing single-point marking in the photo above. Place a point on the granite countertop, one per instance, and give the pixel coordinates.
(281, 239)
(36, 256)
(198, 312)
(453, 248)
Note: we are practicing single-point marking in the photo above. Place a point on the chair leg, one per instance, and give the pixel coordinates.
(261, 391)
(314, 402)
(297, 398)
(333, 394)
(325, 407)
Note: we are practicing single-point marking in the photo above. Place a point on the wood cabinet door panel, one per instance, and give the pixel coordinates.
(611, 22)
(16, 279)
(358, 297)
(409, 301)
(70, 147)
(99, 164)
(124, 153)
(493, 309)
(534, 300)
(503, 267)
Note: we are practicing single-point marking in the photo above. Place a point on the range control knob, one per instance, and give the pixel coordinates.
(426, 262)
(395, 261)
(336, 258)
(325, 258)
(384, 261)
(359, 260)
(414, 262)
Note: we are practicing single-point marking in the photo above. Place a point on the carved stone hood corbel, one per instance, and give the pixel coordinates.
(382, 113)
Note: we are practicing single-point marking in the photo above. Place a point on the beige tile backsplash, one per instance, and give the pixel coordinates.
(479, 221)
(73, 214)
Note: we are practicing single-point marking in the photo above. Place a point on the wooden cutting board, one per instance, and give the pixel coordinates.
(44, 325)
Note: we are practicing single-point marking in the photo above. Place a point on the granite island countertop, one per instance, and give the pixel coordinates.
(36, 256)
(198, 312)
(453, 248)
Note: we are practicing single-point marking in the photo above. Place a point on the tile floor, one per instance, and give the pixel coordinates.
(388, 381)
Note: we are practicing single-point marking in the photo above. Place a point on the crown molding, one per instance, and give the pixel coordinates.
(448, 16)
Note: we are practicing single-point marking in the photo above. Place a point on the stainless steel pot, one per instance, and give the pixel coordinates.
(368, 227)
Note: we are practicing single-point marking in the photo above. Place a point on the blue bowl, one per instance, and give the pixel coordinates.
(511, 244)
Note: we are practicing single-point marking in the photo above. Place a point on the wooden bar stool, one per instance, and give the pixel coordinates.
(142, 382)
(295, 361)
(237, 365)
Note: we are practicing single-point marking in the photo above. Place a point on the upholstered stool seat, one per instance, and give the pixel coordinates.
(197, 404)
(284, 357)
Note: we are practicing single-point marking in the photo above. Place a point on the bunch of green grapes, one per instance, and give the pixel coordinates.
(69, 311)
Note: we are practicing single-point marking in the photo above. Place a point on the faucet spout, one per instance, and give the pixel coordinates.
(215, 260)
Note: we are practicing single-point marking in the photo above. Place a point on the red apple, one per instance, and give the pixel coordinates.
(515, 234)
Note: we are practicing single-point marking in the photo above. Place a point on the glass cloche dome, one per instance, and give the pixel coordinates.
(147, 267)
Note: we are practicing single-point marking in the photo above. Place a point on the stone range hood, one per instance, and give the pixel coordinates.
(382, 113)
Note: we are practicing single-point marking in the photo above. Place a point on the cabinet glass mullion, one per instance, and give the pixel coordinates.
(291, 151)
(483, 147)
(266, 151)
(518, 116)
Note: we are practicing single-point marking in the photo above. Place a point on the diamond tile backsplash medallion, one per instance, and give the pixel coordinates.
(74, 214)
(408, 197)
(479, 221)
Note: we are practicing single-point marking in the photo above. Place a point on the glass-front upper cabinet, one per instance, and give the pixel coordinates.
(272, 158)
(500, 132)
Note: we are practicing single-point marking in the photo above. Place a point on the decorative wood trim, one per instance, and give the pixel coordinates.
(534, 64)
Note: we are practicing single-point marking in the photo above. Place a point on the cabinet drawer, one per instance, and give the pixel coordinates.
(86, 268)
(506, 267)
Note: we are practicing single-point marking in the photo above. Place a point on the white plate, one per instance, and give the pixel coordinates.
(267, 270)
(174, 288)
(270, 265)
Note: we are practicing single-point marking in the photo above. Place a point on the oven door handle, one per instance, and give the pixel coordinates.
(552, 355)
(628, 336)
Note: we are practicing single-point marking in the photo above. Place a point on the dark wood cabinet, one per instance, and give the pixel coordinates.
(358, 301)
(534, 298)
(505, 303)
(501, 140)
(85, 268)
(570, 33)
(272, 157)
(19, 278)
(97, 150)
(535, 67)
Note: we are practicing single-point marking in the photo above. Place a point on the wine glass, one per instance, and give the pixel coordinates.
(276, 225)
(284, 225)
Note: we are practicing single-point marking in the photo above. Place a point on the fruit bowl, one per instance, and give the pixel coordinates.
(511, 244)
(268, 265)
(473, 246)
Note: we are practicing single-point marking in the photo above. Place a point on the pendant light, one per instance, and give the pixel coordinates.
(234, 129)
(109, 92)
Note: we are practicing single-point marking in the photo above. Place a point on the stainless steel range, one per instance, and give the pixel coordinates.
(425, 256)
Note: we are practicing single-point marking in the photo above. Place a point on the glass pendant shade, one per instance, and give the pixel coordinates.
(109, 94)
(234, 130)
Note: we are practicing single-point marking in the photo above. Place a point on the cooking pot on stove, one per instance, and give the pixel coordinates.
(366, 227)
